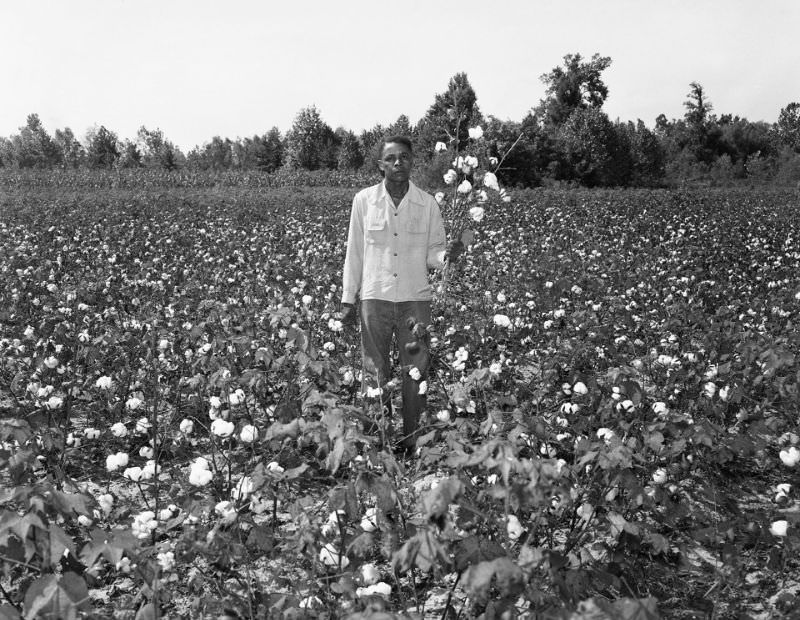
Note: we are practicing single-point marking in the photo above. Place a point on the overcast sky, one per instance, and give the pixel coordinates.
(199, 68)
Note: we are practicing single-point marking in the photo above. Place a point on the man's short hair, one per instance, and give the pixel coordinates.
(404, 140)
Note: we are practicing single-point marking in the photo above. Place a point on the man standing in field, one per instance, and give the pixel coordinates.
(396, 235)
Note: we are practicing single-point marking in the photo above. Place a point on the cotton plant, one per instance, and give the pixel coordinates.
(473, 184)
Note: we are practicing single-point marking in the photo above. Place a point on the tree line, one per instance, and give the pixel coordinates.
(567, 138)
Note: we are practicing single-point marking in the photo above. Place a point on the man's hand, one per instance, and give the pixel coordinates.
(454, 250)
(349, 315)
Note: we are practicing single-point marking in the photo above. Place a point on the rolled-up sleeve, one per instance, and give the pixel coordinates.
(354, 256)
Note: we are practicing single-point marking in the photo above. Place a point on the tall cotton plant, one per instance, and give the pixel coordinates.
(472, 182)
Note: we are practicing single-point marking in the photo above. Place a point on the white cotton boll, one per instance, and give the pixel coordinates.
(709, 389)
(329, 555)
(450, 176)
(226, 511)
(215, 402)
(439, 197)
(248, 434)
(660, 476)
(443, 416)
(146, 452)
(790, 456)
(779, 528)
(84, 521)
(133, 473)
(200, 477)
(490, 181)
(476, 133)
(106, 503)
(465, 187)
(274, 467)
(119, 430)
(222, 428)
(580, 388)
(369, 574)
(186, 426)
(142, 426)
(104, 383)
(659, 408)
(606, 434)
(149, 470)
(514, 527)
(369, 523)
(414, 373)
(501, 320)
(133, 403)
(310, 602)
(381, 589)
(115, 461)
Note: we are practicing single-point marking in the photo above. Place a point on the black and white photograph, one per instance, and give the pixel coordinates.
(400, 311)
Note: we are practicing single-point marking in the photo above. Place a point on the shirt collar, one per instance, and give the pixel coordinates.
(412, 195)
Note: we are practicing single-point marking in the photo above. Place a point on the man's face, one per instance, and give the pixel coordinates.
(395, 162)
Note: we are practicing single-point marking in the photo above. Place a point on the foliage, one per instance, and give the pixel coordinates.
(310, 144)
(102, 150)
(613, 400)
(449, 117)
(575, 86)
(788, 126)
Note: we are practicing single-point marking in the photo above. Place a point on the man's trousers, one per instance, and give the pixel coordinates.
(380, 321)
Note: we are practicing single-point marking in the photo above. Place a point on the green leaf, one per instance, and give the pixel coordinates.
(507, 576)
(59, 543)
(146, 612)
(436, 502)
(278, 430)
(7, 612)
(39, 595)
(473, 550)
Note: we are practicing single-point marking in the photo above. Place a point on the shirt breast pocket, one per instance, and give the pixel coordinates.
(417, 231)
(376, 230)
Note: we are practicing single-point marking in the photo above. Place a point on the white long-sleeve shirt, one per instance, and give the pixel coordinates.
(390, 250)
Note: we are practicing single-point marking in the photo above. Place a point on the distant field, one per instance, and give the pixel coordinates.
(628, 405)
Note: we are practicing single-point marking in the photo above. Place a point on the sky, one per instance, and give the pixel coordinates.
(200, 68)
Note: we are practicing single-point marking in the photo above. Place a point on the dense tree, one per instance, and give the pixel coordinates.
(593, 150)
(401, 127)
(575, 86)
(156, 150)
(33, 146)
(72, 151)
(102, 147)
(449, 118)
(788, 126)
(129, 155)
(6, 153)
(350, 155)
(270, 158)
(647, 156)
(311, 143)
(513, 145)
